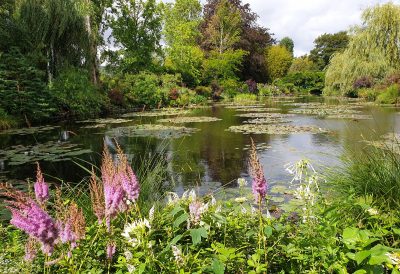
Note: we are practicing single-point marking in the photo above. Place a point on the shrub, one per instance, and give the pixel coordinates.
(216, 90)
(116, 97)
(252, 86)
(368, 94)
(268, 90)
(6, 121)
(363, 82)
(301, 82)
(203, 91)
(244, 98)
(77, 96)
(390, 95)
(230, 87)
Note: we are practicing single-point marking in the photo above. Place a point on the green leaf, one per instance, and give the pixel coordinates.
(218, 267)
(197, 234)
(268, 231)
(361, 256)
(182, 218)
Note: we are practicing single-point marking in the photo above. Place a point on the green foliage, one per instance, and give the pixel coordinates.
(203, 91)
(268, 90)
(182, 20)
(302, 64)
(23, 91)
(302, 82)
(326, 45)
(223, 66)
(288, 43)
(230, 88)
(244, 98)
(375, 172)
(368, 94)
(390, 95)
(278, 61)
(6, 122)
(136, 27)
(372, 51)
(223, 30)
(77, 96)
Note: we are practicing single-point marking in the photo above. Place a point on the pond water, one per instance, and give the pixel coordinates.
(208, 150)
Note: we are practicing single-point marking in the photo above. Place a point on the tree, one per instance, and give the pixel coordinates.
(136, 31)
(181, 31)
(302, 64)
(223, 30)
(373, 51)
(288, 43)
(223, 66)
(326, 45)
(278, 60)
(253, 39)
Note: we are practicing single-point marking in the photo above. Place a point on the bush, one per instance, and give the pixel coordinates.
(268, 90)
(77, 96)
(302, 82)
(187, 97)
(230, 87)
(216, 90)
(363, 82)
(252, 86)
(390, 95)
(244, 98)
(203, 91)
(368, 94)
(6, 122)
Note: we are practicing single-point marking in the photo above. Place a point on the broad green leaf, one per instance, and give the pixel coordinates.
(218, 267)
(197, 234)
(182, 218)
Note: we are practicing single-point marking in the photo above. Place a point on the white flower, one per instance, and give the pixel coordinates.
(244, 210)
(151, 213)
(177, 254)
(128, 255)
(131, 268)
(240, 199)
(172, 198)
(189, 195)
(242, 182)
(372, 211)
(213, 201)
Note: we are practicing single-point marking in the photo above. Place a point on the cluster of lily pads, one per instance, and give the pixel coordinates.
(390, 141)
(28, 130)
(151, 130)
(189, 119)
(275, 129)
(156, 113)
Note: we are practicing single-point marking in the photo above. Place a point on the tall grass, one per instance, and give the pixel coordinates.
(372, 172)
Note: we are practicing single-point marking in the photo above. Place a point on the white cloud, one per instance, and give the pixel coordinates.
(305, 20)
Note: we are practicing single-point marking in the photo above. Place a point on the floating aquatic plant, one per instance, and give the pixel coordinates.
(28, 130)
(155, 113)
(264, 115)
(152, 130)
(193, 119)
(268, 120)
(275, 129)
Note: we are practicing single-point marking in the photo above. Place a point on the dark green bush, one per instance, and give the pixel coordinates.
(302, 82)
(77, 96)
(203, 91)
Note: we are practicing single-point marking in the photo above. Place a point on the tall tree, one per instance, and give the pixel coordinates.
(278, 61)
(181, 31)
(253, 39)
(288, 43)
(136, 32)
(326, 45)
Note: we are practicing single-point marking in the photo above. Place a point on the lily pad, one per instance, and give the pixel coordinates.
(194, 119)
(268, 120)
(264, 115)
(349, 116)
(257, 109)
(155, 113)
(50, 151)
(233, 106)
(325, 111)
(29, 130)
(106, 121)
(277, 199)
(280, 189)
(275, 129)
(152, 130)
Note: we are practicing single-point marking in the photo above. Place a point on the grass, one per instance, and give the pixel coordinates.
(373, 172)
(244, 98)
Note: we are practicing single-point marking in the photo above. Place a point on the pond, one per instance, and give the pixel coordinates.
(207, 147)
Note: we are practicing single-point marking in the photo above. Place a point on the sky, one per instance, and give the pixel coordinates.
(304, 20)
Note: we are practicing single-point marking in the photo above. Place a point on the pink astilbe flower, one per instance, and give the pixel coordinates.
(259, 184)
(111, 248)
(28, 216)
(128, 180)
(41, 188)
(72, 226)
(30, 250)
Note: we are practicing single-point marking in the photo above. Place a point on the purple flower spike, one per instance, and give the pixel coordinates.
(130, 184)
(259, 184)
(31, 218)
(41, 188)
(111, 248)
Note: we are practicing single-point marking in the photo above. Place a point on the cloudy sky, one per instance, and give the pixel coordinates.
(304, 20)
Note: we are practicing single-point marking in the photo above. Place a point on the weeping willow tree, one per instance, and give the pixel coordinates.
(373, 50)
(55, 33)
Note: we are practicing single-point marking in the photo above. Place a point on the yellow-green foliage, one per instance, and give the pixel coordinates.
(302, 64)
(278, 61)
(391, 95)
(373, 50)
(244, 98)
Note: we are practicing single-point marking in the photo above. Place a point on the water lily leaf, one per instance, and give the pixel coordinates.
(275, 129)
(152, 130)
(194, 119)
